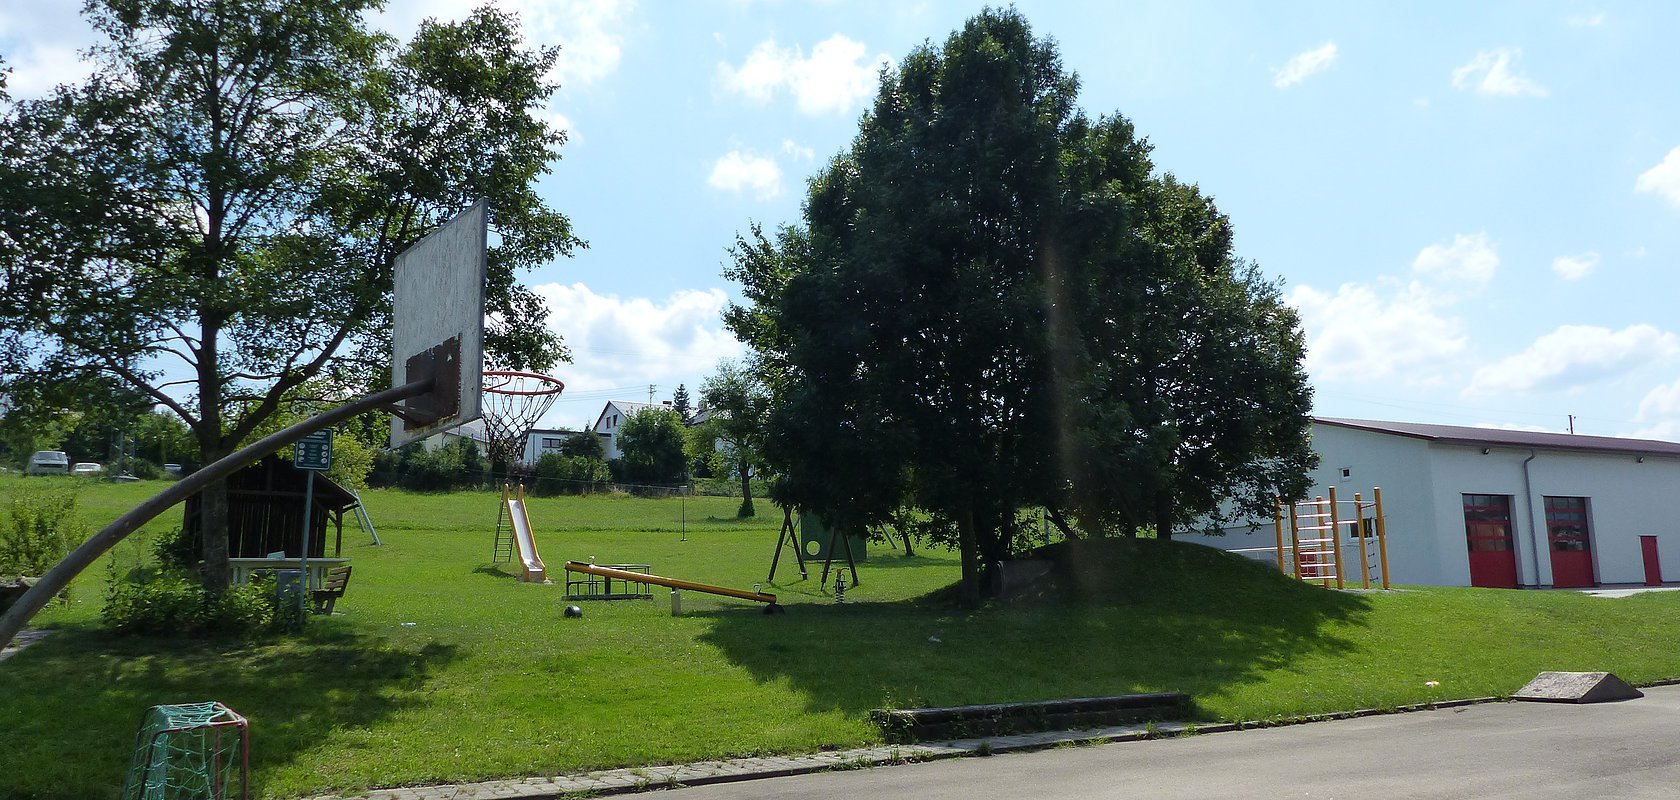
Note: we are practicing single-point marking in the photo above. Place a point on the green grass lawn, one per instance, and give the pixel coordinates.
(442, 667)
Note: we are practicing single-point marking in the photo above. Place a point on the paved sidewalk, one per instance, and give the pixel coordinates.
(743, 769)
(25, 638)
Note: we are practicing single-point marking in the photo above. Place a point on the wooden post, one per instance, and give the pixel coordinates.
(1364, 554)
(1336, 537)
(1382, 536)
(1277, 520)
(1295, 539)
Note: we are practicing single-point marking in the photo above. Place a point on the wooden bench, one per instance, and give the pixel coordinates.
(332, 589)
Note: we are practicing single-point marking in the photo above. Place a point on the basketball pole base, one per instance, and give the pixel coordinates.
(84, 556)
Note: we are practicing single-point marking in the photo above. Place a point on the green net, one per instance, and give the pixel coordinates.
(187, 752)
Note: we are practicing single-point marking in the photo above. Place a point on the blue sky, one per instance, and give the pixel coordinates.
(1476, 207)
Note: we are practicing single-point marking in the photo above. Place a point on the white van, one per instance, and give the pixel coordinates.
(49, 462)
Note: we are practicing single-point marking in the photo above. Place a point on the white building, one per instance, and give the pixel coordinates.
(1500, 508)
(613, 417)
(543, 440)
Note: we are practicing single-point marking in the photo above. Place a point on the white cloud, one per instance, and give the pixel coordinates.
(38, 69)
(1356, 334)
(1659, 410)
(623, 341)
(1574, 355)
(1303, 65)
(1490, 73)
(836, 77)
(560, 122)
(1576, 267)
(1586, 20)
(1663, 179)
(590, 33)
(797, 150)
(737, 171)
(1469, 261)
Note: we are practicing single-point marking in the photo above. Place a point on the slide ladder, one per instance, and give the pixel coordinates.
(519, 532)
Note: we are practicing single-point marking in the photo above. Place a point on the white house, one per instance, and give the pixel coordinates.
(613, 417)
(543, 440)
(1501, 508)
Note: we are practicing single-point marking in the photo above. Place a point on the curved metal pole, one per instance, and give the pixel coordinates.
(83, 557)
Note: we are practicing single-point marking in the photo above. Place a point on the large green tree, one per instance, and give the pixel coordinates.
(994, 302)
(651, 447)
(737, 404)
(213, 215)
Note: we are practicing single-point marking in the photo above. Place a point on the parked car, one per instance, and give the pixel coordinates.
(87, 468)
(49, 462)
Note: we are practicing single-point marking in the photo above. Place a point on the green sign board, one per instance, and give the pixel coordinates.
(313, 451)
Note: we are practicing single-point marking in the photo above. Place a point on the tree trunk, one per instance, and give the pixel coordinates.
(746, 491)
(1163, 516)
(213, 532)
(970, 557)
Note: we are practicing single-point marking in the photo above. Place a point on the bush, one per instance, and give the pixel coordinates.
(562, 474)
(170, 603)
(138, 467)
(38, 531)
(177, 549)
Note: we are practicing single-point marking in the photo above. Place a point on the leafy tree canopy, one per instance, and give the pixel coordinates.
(994, 302)
(651, 441)
(738, 403)
(213, 215)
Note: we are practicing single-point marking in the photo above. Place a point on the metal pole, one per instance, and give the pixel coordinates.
(84, 556)
(303, 560)
(1364, 554)
(1382, 536)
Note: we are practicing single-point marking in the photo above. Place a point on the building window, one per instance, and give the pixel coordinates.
(550, 443)
(1566, 524)
(1487, 522)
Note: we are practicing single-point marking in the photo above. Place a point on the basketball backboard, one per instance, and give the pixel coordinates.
(437, 325)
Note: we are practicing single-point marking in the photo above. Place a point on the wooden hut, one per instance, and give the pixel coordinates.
(265, 515)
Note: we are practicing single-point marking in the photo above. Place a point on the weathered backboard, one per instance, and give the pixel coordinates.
(437, 325)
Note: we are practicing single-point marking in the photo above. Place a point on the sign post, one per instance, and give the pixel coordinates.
(312, 453)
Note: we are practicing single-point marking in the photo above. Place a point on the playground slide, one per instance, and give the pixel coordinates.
(525, 542)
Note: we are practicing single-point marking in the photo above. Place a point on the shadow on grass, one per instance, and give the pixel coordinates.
(1124, 617)
(493, 571)
(73, 703)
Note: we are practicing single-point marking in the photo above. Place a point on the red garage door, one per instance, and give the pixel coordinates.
(1569, 540)
(1487, 531)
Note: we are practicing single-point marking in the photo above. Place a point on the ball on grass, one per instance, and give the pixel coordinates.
(574, 611)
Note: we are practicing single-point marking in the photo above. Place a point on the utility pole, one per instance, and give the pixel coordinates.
(1571, 423)
(651, 387)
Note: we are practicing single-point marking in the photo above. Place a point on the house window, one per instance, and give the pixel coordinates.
(550, 443)
(1487, 522)
(1566, 524)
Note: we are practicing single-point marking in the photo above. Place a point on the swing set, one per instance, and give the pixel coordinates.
(1313, 551)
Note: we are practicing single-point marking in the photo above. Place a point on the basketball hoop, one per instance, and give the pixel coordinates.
(513, 402)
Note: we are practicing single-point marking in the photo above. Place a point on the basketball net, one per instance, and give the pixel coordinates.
(513, 402)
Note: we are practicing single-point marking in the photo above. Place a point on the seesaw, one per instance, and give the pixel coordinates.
(769, 600)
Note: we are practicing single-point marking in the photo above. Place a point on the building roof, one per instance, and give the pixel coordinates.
(624, 407)
(1498, 437)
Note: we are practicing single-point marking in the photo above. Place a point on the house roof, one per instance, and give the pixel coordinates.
(624, 407)
(1498, 437)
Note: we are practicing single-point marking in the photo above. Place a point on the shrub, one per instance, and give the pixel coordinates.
(170, 603)
(177, 549)
(563, 474)
(138, 467)
(37, 531)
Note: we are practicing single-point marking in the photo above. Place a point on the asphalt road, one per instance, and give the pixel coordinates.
(1498, 750)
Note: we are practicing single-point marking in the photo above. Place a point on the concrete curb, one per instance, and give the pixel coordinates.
(622, 781)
